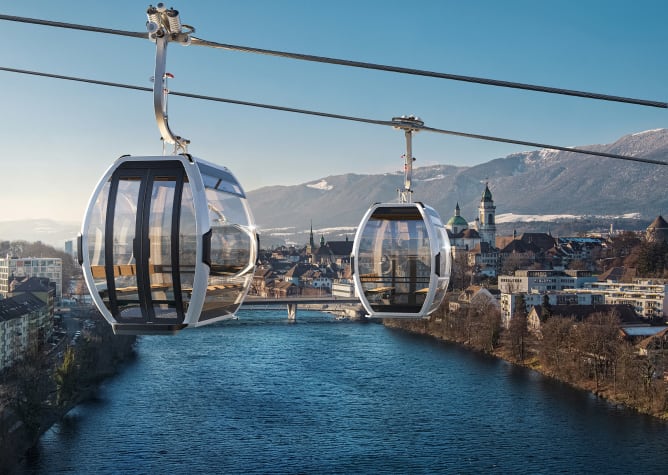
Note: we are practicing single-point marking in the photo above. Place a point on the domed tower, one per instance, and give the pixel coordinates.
(486, 221)
(457, 224)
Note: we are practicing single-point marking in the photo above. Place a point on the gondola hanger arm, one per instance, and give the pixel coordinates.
(408, 124)
(164, 26)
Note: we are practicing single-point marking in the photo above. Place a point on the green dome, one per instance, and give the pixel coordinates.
(457, 221)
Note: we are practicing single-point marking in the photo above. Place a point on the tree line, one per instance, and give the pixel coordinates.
(591, 354)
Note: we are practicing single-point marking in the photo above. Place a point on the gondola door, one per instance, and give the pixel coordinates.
(143, 248)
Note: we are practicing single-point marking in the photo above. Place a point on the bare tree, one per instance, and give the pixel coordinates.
(556, 346)
(518, 330)
(598, 341)
(460, 272)
(486, 322)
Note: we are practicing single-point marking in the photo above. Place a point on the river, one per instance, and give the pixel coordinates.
(261, 395)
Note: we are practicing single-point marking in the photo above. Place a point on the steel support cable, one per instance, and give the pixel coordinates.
(339, 116)
(358, 64)
(74, 26)
(433, 74)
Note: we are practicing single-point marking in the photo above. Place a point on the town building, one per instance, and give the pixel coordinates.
(546, 280)
(509, 301)
(475, 295)
(538, 315)
(25, 326)
(14, 267)
(647, 297)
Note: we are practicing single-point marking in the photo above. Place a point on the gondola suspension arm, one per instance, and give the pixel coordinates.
(408, 124)
(164, 26)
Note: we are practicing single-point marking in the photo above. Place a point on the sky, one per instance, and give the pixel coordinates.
(59, 136)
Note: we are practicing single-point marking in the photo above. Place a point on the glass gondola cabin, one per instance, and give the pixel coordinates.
(401, 260)
(167, 242)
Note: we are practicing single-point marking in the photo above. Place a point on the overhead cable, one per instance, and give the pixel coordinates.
(358, 64)
(433, 74)
(74, 26)
(339, 116)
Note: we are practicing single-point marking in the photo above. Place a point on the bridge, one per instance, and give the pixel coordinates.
(294, 301)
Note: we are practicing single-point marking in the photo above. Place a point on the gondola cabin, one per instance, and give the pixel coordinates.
(401, 260)
(167, 242)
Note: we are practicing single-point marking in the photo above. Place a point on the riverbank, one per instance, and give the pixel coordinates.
(642, 393)
(41, 391)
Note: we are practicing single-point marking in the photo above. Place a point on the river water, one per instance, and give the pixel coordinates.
(260, 395)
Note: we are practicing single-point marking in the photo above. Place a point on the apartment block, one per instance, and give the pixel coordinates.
(542, 281)
(647, 297)
(50, 267)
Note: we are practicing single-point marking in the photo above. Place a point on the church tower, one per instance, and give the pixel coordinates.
(310, 247)
(311, 241)
(486, 218)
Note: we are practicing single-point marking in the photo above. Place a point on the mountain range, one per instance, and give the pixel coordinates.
(541, 185)
(571, 192)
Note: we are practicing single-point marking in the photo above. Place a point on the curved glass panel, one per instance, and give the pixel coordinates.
(160, 257)
(187, 245)
(443, 262)
(141, 243)
(394, 260)
(232, 251)
(123, 257)
(96, 250)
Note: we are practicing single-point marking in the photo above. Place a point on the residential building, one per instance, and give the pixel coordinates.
(343, 288)
(12, 267)
(531, 299)
(648, 298)
(535, 318)
(655, 348)
(263, 280)
(25, 326)
(542, 281)
(475, 295)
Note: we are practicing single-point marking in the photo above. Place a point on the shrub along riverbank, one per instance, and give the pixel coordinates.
(589, 354)
(39, 391)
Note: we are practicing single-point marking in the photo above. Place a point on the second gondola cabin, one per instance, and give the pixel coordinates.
(167, 242)
(401, 260)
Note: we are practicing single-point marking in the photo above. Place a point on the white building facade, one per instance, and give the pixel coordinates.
(25, 325)
(509, 301)
(51, 267)
(542, 281)
(647, 297)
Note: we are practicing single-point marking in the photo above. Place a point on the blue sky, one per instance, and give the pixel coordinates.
(59, 136)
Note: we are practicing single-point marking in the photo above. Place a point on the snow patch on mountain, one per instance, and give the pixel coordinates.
(646, 132)
(321, 185)
(434, 178)
(530, 218)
